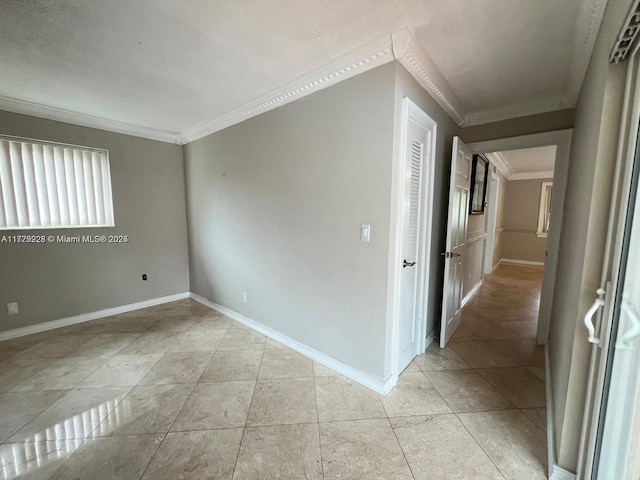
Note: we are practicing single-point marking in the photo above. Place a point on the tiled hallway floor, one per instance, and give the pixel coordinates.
(179, 391)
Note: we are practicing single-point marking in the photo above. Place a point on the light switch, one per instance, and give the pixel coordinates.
(365, 232)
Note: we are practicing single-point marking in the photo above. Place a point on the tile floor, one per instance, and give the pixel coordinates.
(179, 391)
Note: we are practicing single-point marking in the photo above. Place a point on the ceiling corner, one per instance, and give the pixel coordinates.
(587, 26)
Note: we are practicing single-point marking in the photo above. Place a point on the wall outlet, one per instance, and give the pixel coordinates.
(12, 308)
(144, 277)
(244, 297)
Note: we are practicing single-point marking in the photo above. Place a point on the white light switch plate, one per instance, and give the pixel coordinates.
(12, 308)
(365, 232)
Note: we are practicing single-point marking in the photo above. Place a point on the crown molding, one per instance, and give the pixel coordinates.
(498, 161)
(627, 35)
(354, 63)
(556, 103)
(408, 51)
(66, 116)
(587, 26)
(532, 175)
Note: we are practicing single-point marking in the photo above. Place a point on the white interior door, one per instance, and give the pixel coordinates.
(456, 238)
(419, 131)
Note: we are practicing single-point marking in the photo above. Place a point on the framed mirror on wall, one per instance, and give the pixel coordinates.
(478, 193)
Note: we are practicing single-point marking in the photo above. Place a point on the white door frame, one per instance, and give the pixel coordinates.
(562, 140)
(492, 218)
(396, 236)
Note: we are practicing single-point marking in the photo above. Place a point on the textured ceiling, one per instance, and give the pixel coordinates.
(170, 65)
(530, 160)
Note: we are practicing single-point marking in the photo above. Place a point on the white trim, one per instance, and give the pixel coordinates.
(531, 175)
(380, 386)
(555, 472)
(498, 161)
(66, 116)
(471, 293)
(540, 233)
(558, 102)
(474, 237)
(410, 53)
(86, 317)
(354, 63)
(515, 261)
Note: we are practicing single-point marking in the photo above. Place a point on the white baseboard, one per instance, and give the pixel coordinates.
(519, 262)
(376, 384)
(559, 473)
(86, 317)
(471, 293)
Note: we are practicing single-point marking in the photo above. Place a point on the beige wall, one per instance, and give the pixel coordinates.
(275, 206)
(474, 251)
(519, 221)
(583, 232)
(543, 122)
(502, 195)
(54, 281)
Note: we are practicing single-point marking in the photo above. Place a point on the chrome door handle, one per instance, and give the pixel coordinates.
(634, 330)
(455, 254)
(406, 264)
(450, 254)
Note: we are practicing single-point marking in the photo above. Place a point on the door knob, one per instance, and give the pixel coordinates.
(407, 264)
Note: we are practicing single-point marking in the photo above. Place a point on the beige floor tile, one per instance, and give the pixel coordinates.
(463, 334)
(104, 344)
(16, 370)
(232, 365)
(439, 447)
(514, 444)
(206, 454)
(177, 368)
(538, 372)
(412, 367)
(523, 351)
(212, 322)
(130, 324)
(284, 363)
(339, 398)
(110, 458)
(191, 309)
(74, 416)
(121, 371)
(436, 358)
(413, 395)
(216, 405)
(280, 451)
(145, 409)
(61, 374)
(242, 339)
(519, 385)
(35, 460)
(56, 346)
(174, 323)
(362, 449)
(538, 416)
(320, 370)
(271, 344)
(19, 408)
(283, 401)
(197, 341)
(481, 354)
(504, 330)
(150, 343)
(466, 391)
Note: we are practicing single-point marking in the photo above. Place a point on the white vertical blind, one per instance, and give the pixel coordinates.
(45, 185)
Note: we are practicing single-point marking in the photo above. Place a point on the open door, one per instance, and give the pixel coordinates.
(456, 238)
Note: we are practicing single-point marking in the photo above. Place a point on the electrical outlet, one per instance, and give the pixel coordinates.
(144, 277)
(244, 297)
(12, 308)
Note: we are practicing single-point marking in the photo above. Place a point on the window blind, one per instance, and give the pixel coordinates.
(49, 185)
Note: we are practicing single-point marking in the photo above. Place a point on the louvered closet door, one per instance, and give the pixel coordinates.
(417, 143)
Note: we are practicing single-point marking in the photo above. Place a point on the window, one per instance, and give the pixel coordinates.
(544, 213)
(52, 185)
